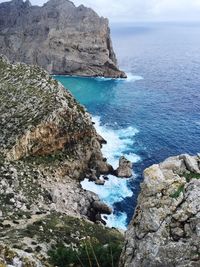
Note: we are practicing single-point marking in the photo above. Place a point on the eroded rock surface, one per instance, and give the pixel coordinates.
(125, 168)
(61, 38)
(165, 231)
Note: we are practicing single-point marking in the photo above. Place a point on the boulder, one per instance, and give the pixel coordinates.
(191, 163)
(101, 207)
(100, 182)
(124, 169)
(105, 177)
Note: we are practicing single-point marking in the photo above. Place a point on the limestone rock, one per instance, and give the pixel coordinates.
(164, 231)
(60, 37)
(124, 169)
(191, 163)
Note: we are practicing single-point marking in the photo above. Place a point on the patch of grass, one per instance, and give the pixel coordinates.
(177, 193)
(191, 175)
(68, 230)
(88, 254)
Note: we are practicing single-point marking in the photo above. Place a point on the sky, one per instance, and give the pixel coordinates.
(141, 10)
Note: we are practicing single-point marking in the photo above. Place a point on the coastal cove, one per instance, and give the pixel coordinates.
(99, 134)
(150, 116)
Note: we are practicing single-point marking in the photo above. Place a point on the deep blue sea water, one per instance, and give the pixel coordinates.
(154, 114)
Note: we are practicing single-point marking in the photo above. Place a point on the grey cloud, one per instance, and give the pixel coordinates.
(142, 10)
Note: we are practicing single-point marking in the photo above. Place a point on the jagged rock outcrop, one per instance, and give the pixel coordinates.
(125, 168)
(165, 230)
(61, 38)
(47, 145)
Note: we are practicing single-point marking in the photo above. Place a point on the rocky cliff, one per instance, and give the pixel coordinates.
(61, 38)
(165, 230)
(47, 145)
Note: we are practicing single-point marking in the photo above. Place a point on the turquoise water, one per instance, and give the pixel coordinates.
(153, 114)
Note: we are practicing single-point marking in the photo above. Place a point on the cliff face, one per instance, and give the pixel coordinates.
(39, 118)
(165, 230)
(47, 144)
(61, 38)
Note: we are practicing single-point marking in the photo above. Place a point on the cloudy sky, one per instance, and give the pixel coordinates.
(142, 10)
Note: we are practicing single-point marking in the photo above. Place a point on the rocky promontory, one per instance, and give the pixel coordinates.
(165, 230)
(47, 145)
(60, 37)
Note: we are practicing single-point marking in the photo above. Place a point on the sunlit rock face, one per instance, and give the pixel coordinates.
(61, 38)
(165, 230)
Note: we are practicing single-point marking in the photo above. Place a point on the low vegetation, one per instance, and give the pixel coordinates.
(89, 254)
(191, 175)
(179, 190)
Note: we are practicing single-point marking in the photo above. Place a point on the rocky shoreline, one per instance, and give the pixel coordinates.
(48, 144)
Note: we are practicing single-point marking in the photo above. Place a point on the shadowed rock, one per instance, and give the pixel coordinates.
(101, 207)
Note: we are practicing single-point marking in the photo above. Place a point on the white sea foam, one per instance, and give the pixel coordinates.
(130, 78)
(103, 79)
(118, 141)
(116, 220)
(133, 157)
(115, 189)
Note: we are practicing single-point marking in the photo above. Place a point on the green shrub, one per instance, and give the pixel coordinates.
(177, 193)
(86, 255)
(191, 175)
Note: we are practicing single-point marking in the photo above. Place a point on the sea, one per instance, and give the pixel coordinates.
(151, 115)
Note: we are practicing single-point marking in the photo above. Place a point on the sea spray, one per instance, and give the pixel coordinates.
(133, 78)
(119, 141)
(130, 78)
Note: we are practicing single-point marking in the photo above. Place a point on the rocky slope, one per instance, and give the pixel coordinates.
(47, 145)
(61, 38)
(165, 230)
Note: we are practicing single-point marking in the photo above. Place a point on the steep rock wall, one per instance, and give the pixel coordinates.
(61, 38)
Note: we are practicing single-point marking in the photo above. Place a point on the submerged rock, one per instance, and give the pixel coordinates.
(100, 182)
(165, 227)
(124, 169)
(60, 37)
